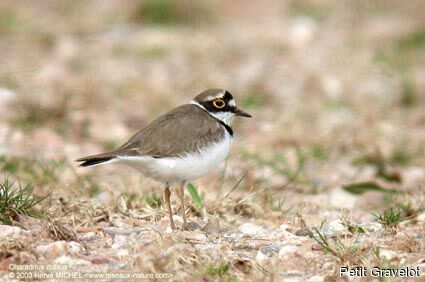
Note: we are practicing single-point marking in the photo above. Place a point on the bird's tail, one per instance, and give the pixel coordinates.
(96, 159)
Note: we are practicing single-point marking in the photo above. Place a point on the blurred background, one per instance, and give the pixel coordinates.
(339, 79)
(336, 88)
(340, 84)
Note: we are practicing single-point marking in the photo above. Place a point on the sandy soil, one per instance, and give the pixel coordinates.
(328, 173)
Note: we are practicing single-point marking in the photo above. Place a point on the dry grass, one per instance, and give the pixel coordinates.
(331, 165)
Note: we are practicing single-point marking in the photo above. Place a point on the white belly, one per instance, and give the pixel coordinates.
(189, 167)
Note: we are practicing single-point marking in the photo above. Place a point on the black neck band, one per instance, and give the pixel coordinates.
(228, 128)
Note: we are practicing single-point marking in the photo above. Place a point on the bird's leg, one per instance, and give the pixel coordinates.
(167, 194)
(181, 195)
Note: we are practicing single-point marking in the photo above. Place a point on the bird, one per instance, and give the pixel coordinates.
(179, 146)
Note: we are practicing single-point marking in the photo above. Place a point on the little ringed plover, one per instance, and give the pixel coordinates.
(181, 145)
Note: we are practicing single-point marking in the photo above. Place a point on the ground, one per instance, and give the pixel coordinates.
(328, 173)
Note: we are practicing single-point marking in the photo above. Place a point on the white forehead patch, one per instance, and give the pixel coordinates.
(232, 103)
(213, 97)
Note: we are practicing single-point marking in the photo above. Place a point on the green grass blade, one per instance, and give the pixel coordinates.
(197, 199)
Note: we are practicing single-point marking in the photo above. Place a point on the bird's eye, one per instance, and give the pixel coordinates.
(219, 103)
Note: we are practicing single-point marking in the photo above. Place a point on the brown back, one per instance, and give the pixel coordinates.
(184, 129)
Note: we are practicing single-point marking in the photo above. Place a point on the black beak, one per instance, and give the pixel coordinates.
(241, 113)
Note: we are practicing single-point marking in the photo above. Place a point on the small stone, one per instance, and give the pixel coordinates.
(90, 236)
(316, 279)
(73, 247)
(269, 250)
(118, 221)
(287, 250)
(332, 86)
(302, 232)
(373, 226)
(105, 197)
(7, 231)
(119, 241)
(198, 237)
(388, 255)
(53, 249)
(334, 228)
(421, 217)
(5, 263)
(340, 198)
(122, 205)
(71, 262)
(193, 225)
(284, 227)
(6, 96)
(212, 226)
(261, 257)
(316, 247)
(123, 253)
(413, 176)
(177, 218)
(99, 260)
(251, 229)
(117, 231)
(301, 31)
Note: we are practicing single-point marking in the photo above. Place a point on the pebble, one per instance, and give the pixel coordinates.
(105, 197)
(196, 237)
(5, 264)
(316, 279)
(373, 227)
(16, 232)
(287, 250)
(205, 246)
(177, 218)
(302, 232)
(301, 31)
(342, 199)
(284, 227)
(294, 276)
(124, 231)
(334, 228)
(316, 247)
(6, 96)
(331, 86)
(212, 226)
(99, 260)
(270, 250)
(71, 262)
(117, 221)
(421, 217)
(53, 249)
(122, 205)
(57, 248)
(119, 241)
(90, 237)
(251, 229)
(388, 255)
(261, 257)
(193, 225)
(123, 253)
(73, 247)
(413, 176)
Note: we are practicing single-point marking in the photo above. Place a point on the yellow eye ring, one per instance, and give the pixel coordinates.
(219, 103)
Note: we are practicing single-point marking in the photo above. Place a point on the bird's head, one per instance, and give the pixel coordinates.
(220, 104)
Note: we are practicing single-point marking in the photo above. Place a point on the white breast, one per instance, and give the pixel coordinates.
(188, 167)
